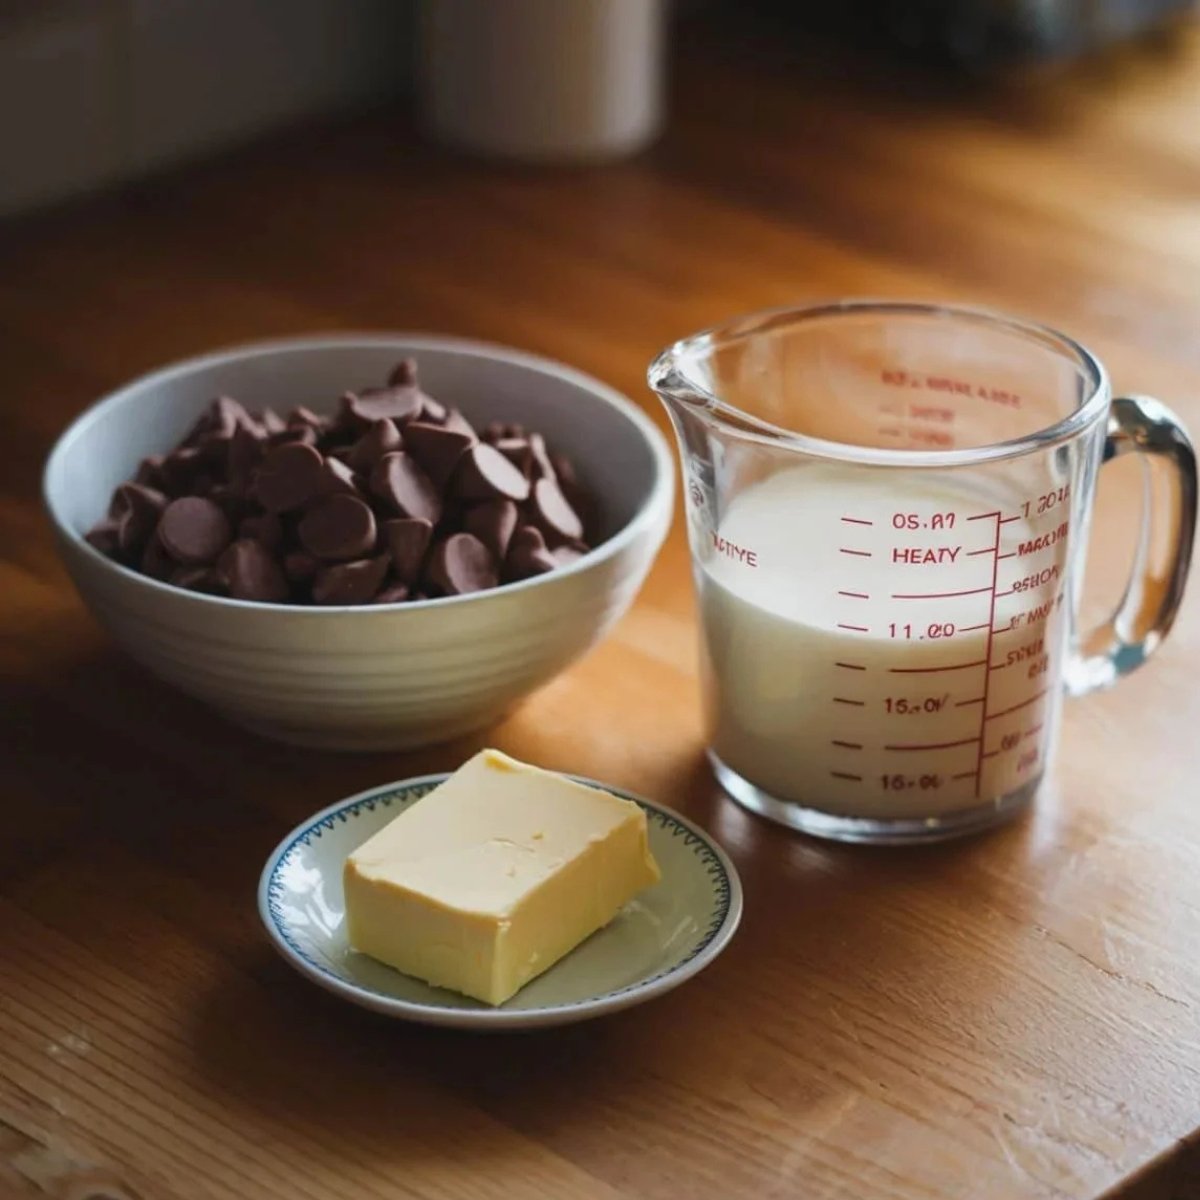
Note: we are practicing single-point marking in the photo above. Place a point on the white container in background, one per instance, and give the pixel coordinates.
(543, 79)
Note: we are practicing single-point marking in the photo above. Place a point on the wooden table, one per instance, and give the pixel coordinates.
(1013, 1016)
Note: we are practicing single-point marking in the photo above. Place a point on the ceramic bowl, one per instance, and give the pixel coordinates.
(386, 676)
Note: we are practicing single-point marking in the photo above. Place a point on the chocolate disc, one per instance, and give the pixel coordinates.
(484, 473)
(194, 530)
(271, 422)
(462, 564)
(337, 477)
(265, 528)
(407, 540)
(399, 481)
(350, 582)
(381, 438)
(528, 555)
(252, 573)
(457, 423)
(337, 528)
(404, 373)
(136, 511)
(400, 404)
(552, 514)
(437, 449)
(543, 467)
(156, 562)
(149, 472)
(394, 593)
(244, 454)
(493, 523)
(103, 536)
(300, 566)
(518, 452)
(199, 579)
(289, 476)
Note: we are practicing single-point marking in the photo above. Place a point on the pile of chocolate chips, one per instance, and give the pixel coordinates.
(395, 498)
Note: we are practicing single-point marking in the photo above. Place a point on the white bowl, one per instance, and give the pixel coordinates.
(386, 676)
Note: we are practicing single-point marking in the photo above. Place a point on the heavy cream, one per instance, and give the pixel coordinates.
(881, 644)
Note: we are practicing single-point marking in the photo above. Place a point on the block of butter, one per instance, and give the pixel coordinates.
(495, 875)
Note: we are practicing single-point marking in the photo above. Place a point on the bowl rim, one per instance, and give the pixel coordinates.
(404, 342)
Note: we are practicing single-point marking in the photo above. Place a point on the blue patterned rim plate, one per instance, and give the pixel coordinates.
(660, 939)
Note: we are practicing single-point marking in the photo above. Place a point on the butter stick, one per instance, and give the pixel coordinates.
(494, 876)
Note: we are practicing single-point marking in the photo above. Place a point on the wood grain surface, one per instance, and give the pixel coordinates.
(1013, 1016)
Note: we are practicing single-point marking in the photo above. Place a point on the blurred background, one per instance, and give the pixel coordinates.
(96, 92)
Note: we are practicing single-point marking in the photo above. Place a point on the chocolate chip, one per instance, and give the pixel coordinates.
(244, 454)
(179, 468)
(149, 472)
(404, 373)
(299, 566)
(493, 523)
(253, 573)
(199, 579)
(272, 423)
(156, 562)
(103, 536)
(396, 499)
(381, 438)
(461, 564)
(394, 593)
(305, 416)
(289, 476)
(407, 540)
(136, 510)
(483, 473)
(518, 452)
(194, 530)
(266, 528)
(456, 422)
(436, 448)
(338, 528)
(528, 555)
(543, 468)
(552, 513)
(399, 481)
(564, 556)
(494, 431)
(337, 477)
(350, 582)
(432, 411)
(399, 404)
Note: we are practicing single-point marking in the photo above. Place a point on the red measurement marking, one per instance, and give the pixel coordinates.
(972, 628)
(1011, 554)
(846, 745)
(850, 666)
(855, 595)
(846, 775)
(990, 754)
(856, 553)
(1007, 628)
(985, 550)
(843, 700)
(1031, 732)
(987, 655)
(932, 745)
(1024, 704)
(965, 775)
(939, 595)
(1009, 520)
(968, 703)
(933, 670)
(1008, 593)
(984, 516)
(857, 521)
(854, 628)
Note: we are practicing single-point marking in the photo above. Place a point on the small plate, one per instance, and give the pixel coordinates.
(661, 938)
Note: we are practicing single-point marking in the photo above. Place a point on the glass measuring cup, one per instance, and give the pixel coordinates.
(888, 510)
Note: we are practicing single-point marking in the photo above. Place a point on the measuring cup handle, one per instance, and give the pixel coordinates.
(1141, 425)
